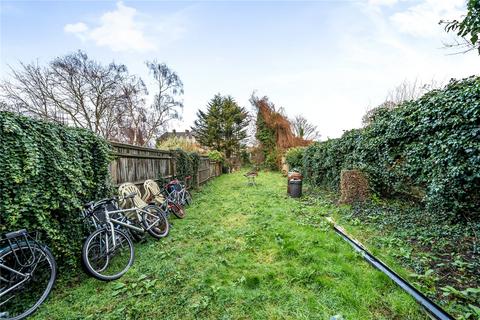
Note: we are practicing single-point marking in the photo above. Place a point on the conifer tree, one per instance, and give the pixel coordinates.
(223, 126)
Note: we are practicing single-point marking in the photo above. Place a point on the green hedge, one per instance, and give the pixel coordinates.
(294, 158)
(428, 150)
(186, 165)
(216, 155)
(47, 171)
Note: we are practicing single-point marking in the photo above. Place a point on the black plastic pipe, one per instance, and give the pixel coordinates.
(434, 310)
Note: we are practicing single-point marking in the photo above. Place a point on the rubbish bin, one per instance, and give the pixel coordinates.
(293, 175)
(295, 188)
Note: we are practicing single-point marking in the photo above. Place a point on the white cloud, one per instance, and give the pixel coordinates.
(79, 27)
(421, 20)
(382, 2)
(118, 30)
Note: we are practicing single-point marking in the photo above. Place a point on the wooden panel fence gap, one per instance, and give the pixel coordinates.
(136, 164)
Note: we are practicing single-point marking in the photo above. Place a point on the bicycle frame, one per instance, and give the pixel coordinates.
(112, 221)
(25, 276)
(25, 279)
(177, 195)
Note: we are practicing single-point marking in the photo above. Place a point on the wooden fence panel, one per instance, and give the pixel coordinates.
(137, 164)
(203, 170)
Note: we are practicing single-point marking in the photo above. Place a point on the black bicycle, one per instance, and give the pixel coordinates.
(27, 274)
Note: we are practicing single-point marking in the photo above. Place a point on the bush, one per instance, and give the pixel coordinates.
(271, 161)
(186, 164)
(216, 155)
(294, 158)
(428, 150)
(174, 143)
(47, 171)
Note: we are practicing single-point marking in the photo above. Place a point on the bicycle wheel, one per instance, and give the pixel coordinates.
(177, 210)
(36, 262)
(135, 235)
(104, 260)
(155, 221)
(188, 198)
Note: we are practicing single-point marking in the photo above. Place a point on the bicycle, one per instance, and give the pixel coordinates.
(108, 251)
(153, 194)
(93, 215)
(178, 191)
(27, 274)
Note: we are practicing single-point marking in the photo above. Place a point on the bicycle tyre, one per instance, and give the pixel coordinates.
(177, 210)
(188, 198)
(158, 229)
(52, 277)
(89, 243)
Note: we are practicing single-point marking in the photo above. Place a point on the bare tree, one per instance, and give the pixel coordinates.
(106, 99)
(132, 123)
(303, 129)
(89, 93)
(29, 91)
(410, 90)
(405, 91)
(167, 102)
(73, 90)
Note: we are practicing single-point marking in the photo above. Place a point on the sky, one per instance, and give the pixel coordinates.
(329, 61)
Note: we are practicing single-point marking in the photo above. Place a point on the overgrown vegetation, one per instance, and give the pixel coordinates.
(174, 143)
(274, 133)
(241, 253)
(443, 258)
(216, 155)
(294, 158)
(186, 164)
(426, 150)
(48, 172)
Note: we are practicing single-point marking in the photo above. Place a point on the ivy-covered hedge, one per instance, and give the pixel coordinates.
(428, 149)
(47, 171)
(294, 158)
(187, 165)
(266, 136)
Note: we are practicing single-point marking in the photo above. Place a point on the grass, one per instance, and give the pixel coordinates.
(438, 258)
(242, 252)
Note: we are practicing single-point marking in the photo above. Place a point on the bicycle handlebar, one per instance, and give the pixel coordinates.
(92, 204)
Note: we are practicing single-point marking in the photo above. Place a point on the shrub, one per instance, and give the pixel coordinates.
(428, 150)
(47, 171)
(271, 160)
(186, 164)
(294, 158)
(174, 143)
(216, 155)
(245, 157)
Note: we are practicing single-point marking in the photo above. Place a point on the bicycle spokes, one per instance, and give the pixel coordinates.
(26, 271)
(109, 254)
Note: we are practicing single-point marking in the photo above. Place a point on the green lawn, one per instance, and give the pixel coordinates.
(242, 252)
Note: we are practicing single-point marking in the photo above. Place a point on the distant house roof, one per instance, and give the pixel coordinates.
(187, 134)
